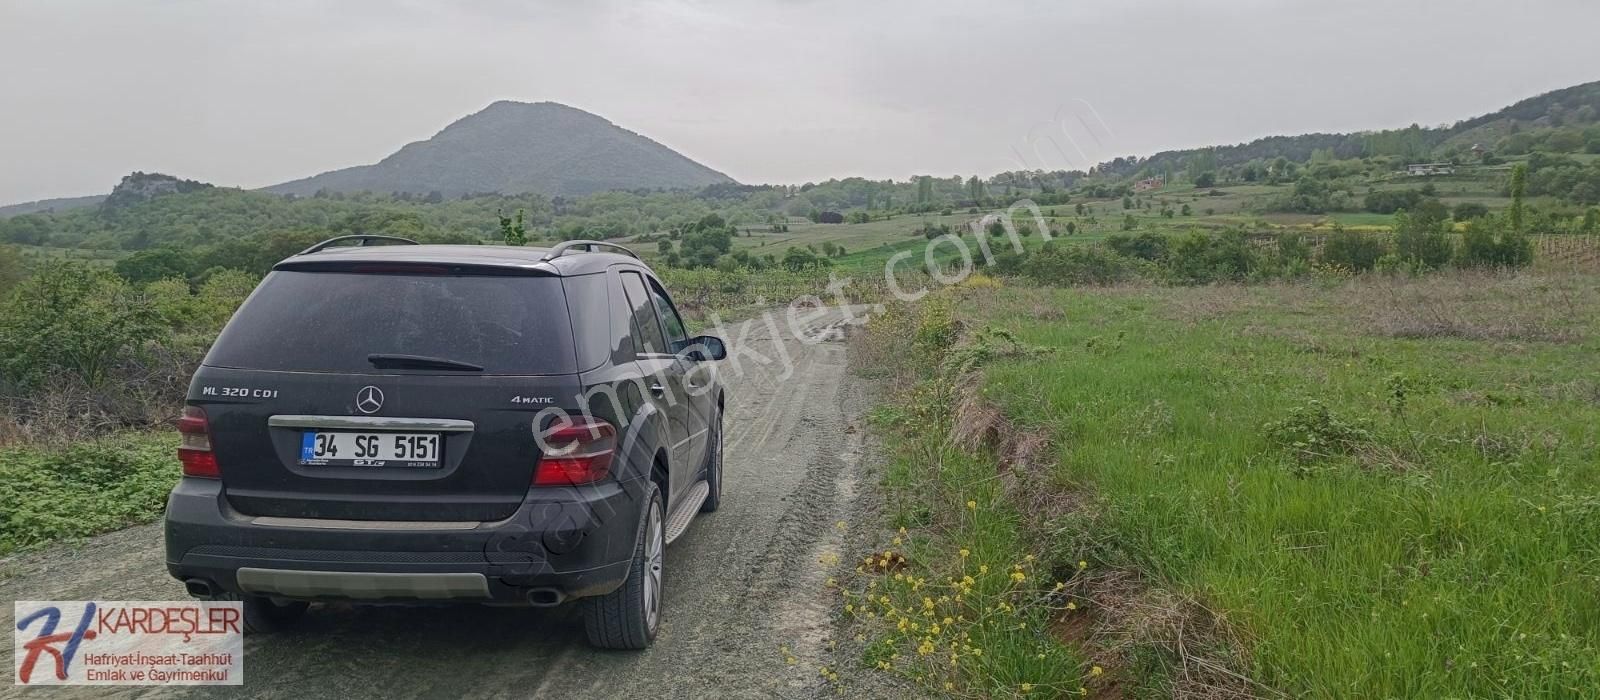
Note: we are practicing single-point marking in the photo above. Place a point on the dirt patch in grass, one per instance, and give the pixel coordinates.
(1130, 628)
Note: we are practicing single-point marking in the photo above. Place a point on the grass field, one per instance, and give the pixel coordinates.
(1383, 487)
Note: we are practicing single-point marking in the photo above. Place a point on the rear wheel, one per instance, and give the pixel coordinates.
(714, 467)
(627, 618)
(263, 615)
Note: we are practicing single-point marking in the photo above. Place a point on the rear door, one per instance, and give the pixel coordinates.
(697, 397)
(664, 377)
(386, 393)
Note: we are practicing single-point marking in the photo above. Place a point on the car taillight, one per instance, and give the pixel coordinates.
(577, 454)
(194, 444)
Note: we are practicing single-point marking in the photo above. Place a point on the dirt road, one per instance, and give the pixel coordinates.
(739, 584)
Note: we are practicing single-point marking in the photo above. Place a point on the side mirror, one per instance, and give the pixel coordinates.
(706, 347)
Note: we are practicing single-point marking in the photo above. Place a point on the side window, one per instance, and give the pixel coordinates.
(677, 336)
(647, 330)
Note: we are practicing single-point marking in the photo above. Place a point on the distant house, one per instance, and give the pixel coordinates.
(1421, 169)
(1152, 183)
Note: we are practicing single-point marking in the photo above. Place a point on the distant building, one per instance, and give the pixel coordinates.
(1421, 169)
(1153, 183)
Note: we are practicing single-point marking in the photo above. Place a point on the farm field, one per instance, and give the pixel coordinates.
(1376, 487)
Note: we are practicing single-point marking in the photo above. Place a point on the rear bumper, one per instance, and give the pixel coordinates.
(561, 543)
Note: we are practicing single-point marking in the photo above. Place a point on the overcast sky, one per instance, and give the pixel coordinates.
(255, 93)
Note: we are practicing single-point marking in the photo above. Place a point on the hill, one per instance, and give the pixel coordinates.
(1570, 108)
(45, 206)
(515, 147)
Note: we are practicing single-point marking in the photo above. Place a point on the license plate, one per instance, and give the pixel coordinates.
(340, 448)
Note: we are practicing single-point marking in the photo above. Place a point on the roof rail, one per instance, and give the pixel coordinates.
(562, 248)
(363, 237)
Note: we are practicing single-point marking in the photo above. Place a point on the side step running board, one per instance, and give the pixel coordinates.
(678, 522)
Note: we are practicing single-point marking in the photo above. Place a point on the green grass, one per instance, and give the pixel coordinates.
(953, 601)
(1455, 555)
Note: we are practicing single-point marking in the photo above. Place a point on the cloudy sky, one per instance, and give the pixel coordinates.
(254, 93)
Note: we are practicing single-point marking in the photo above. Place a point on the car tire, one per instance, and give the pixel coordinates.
(714, 468)
(627, 618)
(263, 615)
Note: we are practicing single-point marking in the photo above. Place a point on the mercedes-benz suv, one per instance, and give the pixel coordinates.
(404, 423)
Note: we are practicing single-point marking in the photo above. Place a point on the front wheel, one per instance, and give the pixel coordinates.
(714, 467)
(627, 618)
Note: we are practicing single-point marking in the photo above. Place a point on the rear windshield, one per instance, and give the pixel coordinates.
(331, 321)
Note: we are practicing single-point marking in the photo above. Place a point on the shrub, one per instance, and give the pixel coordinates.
(1467, 211)
(1313, 432)
(1490, 242)
(1200, 258)
(1420, 238)
(1065, 265)
(1352, 251)
(82, 490)
(1145, 246)
(1391, 201)
(71, 317)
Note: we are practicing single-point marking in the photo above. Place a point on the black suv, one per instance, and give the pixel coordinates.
(406, 423)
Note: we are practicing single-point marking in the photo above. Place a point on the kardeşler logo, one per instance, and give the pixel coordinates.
(129, 643)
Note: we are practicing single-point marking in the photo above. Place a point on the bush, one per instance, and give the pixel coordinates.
(1420, 239)
(82, 490)
(1467, 211)
(1145, 246)
(70, 317)
(1489, 242)
(1313, 432)
(1065, 265)
(1353, 251)
(1200, 258)
(1391, 201)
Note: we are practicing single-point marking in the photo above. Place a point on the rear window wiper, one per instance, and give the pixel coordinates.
(391, 360)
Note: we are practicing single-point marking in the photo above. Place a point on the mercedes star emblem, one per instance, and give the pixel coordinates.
(369, 399)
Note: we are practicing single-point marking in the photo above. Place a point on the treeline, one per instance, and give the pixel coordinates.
(1561, 121)
(1420, 242)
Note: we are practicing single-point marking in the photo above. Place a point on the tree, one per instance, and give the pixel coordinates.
(154, 264)
(1205, 180)
(10, 268)
(1519, 187)
(73, 318)
(513, 233)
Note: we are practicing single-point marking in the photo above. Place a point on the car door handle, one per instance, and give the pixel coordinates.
(657, 390)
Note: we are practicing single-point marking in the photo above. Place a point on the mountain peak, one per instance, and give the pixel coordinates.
(513, 147)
